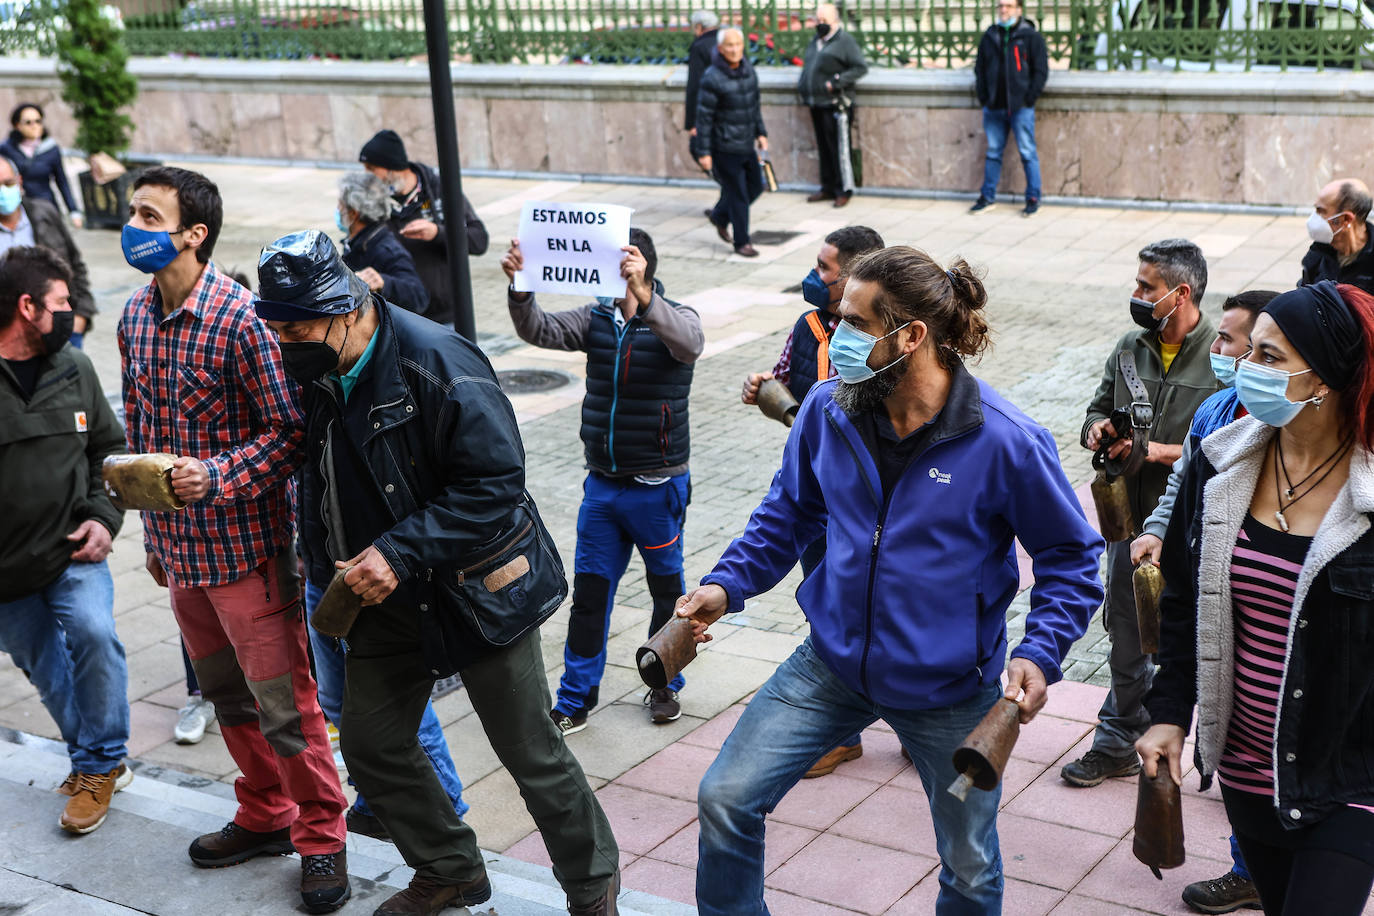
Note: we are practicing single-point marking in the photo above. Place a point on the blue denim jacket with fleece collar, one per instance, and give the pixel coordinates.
(909, 606)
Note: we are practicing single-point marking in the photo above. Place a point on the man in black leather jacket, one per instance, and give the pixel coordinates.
(414, 474)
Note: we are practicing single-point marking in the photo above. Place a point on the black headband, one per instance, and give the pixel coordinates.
(1323, 330)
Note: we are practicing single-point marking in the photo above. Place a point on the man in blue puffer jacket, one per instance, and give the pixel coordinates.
(920, 476)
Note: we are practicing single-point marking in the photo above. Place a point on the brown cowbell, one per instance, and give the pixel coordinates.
(338, 608)
(982, 757)
(1114, 517)
(1149, 584)
(142, 482)
(666, 653)
(776, 402)
(1158, 821)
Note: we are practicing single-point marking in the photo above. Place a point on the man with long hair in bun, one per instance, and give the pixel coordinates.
(921, 476)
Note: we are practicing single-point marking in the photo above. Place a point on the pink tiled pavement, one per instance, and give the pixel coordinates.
(861, 840)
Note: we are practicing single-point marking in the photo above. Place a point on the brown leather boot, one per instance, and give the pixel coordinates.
(604, 905)
(826, 765)
(233, 844)
(324, 882)
(426, 896)
(90, 799)
(123, 776)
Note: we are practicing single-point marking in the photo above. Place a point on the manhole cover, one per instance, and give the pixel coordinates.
(529, 381)
(772, 236)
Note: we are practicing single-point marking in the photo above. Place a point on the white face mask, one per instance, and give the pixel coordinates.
(1319, 228)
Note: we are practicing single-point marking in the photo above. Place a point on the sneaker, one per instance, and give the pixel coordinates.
(1222, 895)
(603, 906)
(1095, 767)
(981, 204)
(366, 825)
(663, 706)
(568, 725)
(90, 799)
(827, 764)
(426, 896)
(193, 719)
(233, 844)
(324, 882)
(1031, 207)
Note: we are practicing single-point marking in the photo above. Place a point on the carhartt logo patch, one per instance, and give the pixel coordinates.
(940, 476)
(80, 421)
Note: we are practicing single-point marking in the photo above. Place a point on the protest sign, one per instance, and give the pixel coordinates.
(573, 248)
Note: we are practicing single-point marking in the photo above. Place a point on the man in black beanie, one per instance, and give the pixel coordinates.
(419, 217)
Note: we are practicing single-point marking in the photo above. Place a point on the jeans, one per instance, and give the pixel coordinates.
(617, 516)
(329, 677)
(801, 711)
(63, 639)
(741, 182)
(1122, 718)
(997, 124)
(811, 558)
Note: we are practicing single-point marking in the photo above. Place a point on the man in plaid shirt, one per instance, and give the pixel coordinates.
(202, 379)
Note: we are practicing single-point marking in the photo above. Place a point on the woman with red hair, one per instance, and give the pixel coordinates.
(1268, 612)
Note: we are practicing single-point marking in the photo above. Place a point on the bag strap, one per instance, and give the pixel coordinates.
(823, 349)
(1138, 418)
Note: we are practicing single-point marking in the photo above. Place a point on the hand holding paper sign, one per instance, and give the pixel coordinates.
(632, 269)
(573, 248)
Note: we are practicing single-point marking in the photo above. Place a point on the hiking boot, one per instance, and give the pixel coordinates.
(1222, 895)
(602, 906)
(1031, 207)
(981, 204)
(1095, 767)
(324, 882)
(569, 724)
(123, 776)
(193, 719)
(663, 706)
(826, 765)
(234, 844)
(425, 896)
(366, 825)
(90, 799)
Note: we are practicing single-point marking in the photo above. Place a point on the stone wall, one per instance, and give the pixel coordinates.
(1258, 139)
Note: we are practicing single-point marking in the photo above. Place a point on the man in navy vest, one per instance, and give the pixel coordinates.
(640, 353)
(803, 363)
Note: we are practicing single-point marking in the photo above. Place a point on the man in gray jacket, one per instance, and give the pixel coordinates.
(640, 353)
(832, 64)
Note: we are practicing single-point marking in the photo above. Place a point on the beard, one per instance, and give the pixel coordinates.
(868, 396)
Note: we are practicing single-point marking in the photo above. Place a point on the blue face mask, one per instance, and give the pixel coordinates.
(339, 221)
(1224, 368)
(605, 301)
(146, 250)
(1263, 391)
(816, 291)
(850, 349)
(10, 195)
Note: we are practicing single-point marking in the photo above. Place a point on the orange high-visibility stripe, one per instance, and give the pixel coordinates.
(669, 544)
(823, 346)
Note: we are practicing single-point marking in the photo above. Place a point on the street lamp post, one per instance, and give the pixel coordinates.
(450, 169)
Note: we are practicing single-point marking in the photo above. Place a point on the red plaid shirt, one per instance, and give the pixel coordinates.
(207, 381)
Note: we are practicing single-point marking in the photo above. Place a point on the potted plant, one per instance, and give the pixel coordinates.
(96, 83)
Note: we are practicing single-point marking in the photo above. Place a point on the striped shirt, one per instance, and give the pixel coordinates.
(207, 381)
(1264, 579)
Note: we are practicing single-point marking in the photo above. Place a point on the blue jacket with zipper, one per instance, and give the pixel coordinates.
(909, 606)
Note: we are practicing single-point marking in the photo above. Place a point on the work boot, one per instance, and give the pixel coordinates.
(663, 706)
(324, 882)
(604, 905)
(1222, 895)
(1095, 767)
(234, 844)
(426, 896)
(90, 800)
(826, 765)
(123, 776)
(366, 825)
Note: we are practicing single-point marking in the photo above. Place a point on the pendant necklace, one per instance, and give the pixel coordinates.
(1281, 477)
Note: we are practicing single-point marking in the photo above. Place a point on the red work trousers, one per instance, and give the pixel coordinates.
(247, 644)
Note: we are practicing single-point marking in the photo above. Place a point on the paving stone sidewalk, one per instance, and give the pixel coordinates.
(1058, 285)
